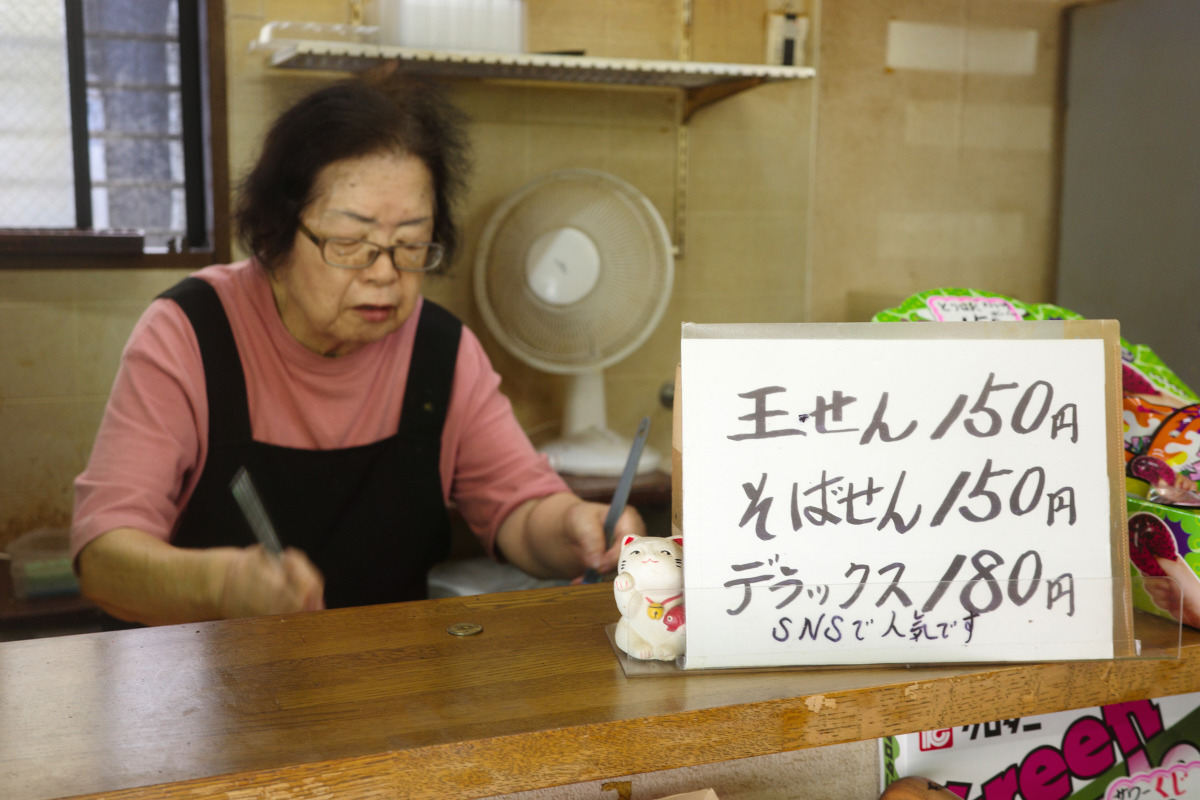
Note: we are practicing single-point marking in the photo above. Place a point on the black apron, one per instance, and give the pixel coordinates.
(371, 518)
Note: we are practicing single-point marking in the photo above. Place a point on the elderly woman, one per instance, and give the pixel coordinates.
(360, 408)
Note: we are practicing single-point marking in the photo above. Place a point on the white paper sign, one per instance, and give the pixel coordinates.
(861, 501)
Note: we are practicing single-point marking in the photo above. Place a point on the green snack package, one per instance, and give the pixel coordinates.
(1143, 372)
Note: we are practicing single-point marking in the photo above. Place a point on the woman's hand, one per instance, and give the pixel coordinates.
(140, 578)
(561, 535)
(585, 523)
(257, 584)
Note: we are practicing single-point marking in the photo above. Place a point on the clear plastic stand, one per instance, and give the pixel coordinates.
(1159, 634)
(944, 623)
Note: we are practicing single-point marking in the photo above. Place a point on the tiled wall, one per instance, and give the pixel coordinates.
(936, 162)
(924, 174)
(62, 333)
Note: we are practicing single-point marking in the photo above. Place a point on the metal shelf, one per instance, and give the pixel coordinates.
(699, 83)
(702, 83)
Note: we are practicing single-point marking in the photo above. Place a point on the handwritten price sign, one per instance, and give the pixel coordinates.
(850, 499)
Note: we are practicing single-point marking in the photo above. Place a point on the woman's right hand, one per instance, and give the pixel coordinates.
(138, 577)
(257, 584)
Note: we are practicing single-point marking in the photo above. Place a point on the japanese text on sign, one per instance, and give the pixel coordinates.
(847, 498)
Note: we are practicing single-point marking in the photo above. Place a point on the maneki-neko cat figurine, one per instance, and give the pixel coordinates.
(649, 593)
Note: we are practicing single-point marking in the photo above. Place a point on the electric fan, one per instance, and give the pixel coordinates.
(573, 272)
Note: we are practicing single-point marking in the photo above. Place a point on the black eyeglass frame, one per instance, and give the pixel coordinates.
(435, 251)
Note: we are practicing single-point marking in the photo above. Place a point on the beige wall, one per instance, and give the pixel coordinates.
(936, 160)
(916, 178)
(62, 333)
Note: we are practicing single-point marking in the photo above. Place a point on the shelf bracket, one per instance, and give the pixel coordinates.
(698, 98)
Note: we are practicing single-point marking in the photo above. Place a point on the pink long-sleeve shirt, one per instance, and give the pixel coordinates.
(153, 440)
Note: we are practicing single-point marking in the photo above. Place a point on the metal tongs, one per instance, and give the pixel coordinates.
(621, 495)
(252, 507)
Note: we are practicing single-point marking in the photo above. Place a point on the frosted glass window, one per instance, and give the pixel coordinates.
(134, 124)
(37, 177)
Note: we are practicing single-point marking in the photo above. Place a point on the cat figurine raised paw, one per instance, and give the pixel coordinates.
(649, 593)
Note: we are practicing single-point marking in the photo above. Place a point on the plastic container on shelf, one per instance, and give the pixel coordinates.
(41, 564)
(275, 35)
(471, 25)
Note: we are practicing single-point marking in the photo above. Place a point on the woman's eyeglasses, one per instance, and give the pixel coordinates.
(360, 254)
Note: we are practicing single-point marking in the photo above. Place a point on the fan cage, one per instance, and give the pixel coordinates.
(632, 290)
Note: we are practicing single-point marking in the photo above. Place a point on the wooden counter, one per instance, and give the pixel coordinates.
(383, 702)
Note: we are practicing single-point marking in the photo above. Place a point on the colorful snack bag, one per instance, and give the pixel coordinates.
(1176, 443)
(1141, 419)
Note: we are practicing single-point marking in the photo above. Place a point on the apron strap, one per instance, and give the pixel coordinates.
(225, 382)
(431, 375)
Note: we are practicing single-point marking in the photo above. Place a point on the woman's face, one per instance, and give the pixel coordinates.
(384, 198)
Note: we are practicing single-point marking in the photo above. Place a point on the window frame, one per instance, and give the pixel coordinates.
(203, 96)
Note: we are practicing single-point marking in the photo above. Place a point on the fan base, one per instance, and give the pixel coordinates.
(597, 452)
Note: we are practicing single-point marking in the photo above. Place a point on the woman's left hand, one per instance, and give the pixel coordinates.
(561, 536)
(585, 526)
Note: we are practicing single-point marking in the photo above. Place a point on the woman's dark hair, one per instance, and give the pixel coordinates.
(351, 119)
